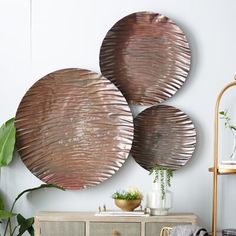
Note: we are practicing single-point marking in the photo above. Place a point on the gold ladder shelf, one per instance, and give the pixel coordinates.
(215, 169)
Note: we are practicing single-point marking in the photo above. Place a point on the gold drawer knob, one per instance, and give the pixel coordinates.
(115, 233)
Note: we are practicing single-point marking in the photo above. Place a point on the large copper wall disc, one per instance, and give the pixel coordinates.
(163, 135)
(147, 56)
(74, 128)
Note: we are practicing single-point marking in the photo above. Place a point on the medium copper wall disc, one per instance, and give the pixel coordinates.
(163, 135)
(147, 56)
(74, 129)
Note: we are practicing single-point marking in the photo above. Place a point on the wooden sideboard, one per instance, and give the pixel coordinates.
(87, 224)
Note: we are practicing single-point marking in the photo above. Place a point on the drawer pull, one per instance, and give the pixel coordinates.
(115, 233)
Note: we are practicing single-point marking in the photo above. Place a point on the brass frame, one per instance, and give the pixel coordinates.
(216, 171)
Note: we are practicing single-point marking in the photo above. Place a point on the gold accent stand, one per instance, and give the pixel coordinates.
(215, 169)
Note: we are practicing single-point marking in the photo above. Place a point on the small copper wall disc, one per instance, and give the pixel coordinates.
(74, 128)
(147, 56)
(163, 135)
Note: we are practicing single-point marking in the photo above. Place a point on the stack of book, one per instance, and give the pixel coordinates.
(229, 232)
(229, 164)
(121, 213)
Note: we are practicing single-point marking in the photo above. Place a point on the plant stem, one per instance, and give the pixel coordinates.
(14, 230)
(9, 220)
(162, 175)
(10, 228)
(5, 231)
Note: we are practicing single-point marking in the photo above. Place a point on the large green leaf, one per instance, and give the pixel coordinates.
(34, 189)
(31, 231)
(39, 187)
(6, 214)
(25, 225)
(7, 142)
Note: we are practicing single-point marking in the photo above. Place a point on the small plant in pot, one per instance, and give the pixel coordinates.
(159, 200)
(128, 200)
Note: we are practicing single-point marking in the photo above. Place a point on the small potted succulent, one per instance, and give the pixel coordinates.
(128, 200)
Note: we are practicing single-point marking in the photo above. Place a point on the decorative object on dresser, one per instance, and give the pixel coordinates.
(217, 169)
(128, 200)
(86, 224)
(74, 128)
(159, 200)
(147, 56)
(122, 213)
(228, 232)
(127, 205)
(164, 136)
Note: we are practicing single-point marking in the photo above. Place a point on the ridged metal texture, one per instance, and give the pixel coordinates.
(74, 128)
(163, 135)
(147, 56)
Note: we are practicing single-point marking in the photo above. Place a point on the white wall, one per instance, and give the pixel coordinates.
(68, 33)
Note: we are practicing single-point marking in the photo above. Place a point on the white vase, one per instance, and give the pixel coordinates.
(158, 203)
(233, 154)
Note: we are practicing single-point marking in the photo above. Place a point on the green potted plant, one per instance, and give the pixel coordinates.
(23, 225)
(159, 200)
(128, 200)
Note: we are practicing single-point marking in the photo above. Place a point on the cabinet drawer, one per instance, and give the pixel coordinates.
(154, 229)
(59, 228)
(115, 229)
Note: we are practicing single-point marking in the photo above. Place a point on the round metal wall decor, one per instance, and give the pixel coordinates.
(147, 56)
(163, 135)
(74, 128)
